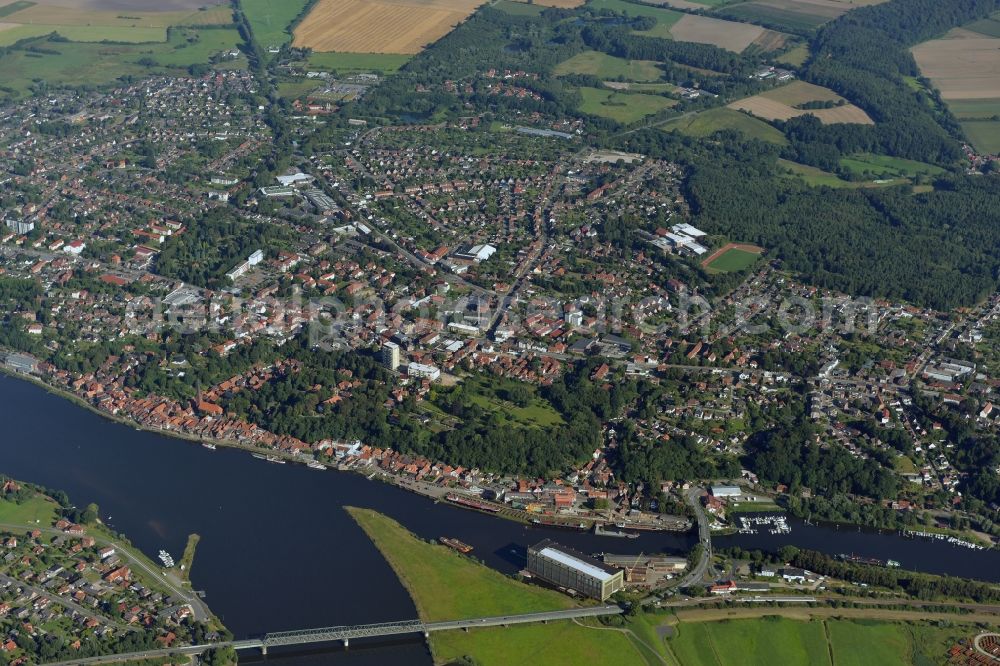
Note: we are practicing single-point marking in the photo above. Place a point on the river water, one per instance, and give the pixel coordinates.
(277, 550)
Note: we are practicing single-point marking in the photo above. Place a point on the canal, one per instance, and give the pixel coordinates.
(277, 550)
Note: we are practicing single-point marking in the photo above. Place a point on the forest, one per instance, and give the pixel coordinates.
(864, 56)
(292, 405)
(939, 249)
(789, 453)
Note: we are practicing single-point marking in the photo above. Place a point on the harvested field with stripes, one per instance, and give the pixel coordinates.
(781, 104)
(381, 26)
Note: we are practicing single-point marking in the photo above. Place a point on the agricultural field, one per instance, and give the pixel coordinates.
(14, 32)
(382, 26)
(832, 642)
(984, 135)
(691, 4)
(665, 18)
(964, 66)
(989, 27)
(76, 63)
(23, 19)
(358, 62)
(724, 34)
(885, 166)
(961, 69)
(785, 102)
(795, 57)
(269, 20)
(518, 8)
(732, 258)
(711, 121)
(794, 15)
(560, 4)
(682, 27)
(607, 66)
(816, 177)
(624, 108)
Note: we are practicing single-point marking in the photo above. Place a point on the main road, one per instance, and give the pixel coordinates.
(197, 605)
(344, 634)
(697, 572)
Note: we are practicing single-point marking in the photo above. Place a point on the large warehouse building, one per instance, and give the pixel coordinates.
(564, 566)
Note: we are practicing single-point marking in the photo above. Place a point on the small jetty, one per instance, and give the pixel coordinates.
(600, 530)
(315, 464)
(455, 544)
(208, 445)
(167, 560)
(955, 541)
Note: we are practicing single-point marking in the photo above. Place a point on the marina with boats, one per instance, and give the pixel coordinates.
(771, 523)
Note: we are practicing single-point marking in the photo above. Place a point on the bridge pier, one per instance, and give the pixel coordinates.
(263, 650)
(347, 642)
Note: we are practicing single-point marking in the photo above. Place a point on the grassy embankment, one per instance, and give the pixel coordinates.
(187, 559)
(446, 586)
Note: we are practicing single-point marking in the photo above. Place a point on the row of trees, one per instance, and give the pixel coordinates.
(921, 586)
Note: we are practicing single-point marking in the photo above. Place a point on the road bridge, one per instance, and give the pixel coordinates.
(344, 634)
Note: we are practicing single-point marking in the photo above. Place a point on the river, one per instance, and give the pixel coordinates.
(277, 550)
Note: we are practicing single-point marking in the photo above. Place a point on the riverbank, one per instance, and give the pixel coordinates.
(369, 469)
(445, 585)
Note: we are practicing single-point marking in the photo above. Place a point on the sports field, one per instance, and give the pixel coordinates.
(731, 258)
(625, 108)
(709, 122)
(380, 26)
(606, 66)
